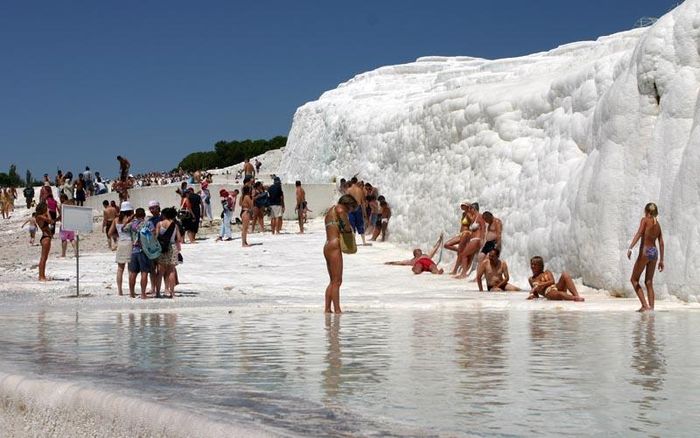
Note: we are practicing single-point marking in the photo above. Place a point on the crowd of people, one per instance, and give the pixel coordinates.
(361, 210)
(479, 243)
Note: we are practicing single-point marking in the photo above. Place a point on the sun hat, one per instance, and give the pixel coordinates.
(153, 203)
(126, 206)
(467, 203)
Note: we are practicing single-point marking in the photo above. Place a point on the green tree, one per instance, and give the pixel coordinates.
(228, 153)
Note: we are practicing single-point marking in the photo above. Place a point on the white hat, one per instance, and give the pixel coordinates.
(126, 206)
(153, 203)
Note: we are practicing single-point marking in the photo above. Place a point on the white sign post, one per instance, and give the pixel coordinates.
(79, 220)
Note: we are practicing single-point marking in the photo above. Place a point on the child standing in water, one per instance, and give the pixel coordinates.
(32, 228)
(649, 231)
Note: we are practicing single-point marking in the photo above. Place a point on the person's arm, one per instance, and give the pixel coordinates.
(640, 233)
(480, 274)
(282, 199)
(113, 229)
(661, 250)
(506, 277)
(401, 262)
(498, 230)
(25, 223)
(437, 246)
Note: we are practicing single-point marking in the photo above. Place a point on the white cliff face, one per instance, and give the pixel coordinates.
(566, 147)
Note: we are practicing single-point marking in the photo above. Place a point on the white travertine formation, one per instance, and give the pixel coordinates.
(566, 146)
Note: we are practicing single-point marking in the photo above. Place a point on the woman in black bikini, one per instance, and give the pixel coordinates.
(649, 231)
(336, 222)
(44, 222)
(246, 213)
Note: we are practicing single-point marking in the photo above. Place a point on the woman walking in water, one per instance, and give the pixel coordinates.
(649, 232)
(337, 222)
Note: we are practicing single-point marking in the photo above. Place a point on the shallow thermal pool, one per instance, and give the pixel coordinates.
(382, 373)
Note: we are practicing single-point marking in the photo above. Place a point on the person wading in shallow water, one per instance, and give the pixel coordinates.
(542, 283)
(44, 222)
(649, 232)
(337, 228)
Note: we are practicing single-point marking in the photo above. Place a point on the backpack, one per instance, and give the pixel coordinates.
(263, 200)
(164, 239)
(149, 244)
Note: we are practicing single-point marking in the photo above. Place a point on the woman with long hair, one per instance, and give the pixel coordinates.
(649, 232)
(337, 223)
(477, 229)
(458, 242)
(44, 222)
(124, 244)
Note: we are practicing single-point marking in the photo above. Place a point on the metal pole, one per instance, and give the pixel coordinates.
(77, 264)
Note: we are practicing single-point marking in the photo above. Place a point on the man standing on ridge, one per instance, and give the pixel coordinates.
(248, 169)
(124, 166)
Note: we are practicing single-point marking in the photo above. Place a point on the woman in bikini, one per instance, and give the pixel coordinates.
(460, 240)
(44, 222)
(337, 222)
(649, 232)
(476, 239)
(246, 213)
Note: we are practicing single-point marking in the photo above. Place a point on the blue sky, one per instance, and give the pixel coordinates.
(84, 81)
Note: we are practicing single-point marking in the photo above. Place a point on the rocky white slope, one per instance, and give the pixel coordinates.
(566, 146)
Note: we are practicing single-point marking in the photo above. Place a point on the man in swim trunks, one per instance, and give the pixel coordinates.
(422, 262)
(542, 283)
(496, 272)
(248, 169)
(356, 217)
(494, 228)
(108, 215)
(124, 166)
(301, 206)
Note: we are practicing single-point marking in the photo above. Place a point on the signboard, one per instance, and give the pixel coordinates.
(74, 218)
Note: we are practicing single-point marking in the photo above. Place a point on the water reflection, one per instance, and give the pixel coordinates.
(334, 362)
(649, 362)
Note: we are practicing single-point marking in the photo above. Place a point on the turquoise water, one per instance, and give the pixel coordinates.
(384, 373)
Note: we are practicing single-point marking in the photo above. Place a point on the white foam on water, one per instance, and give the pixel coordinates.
(55, 408)
(566, 146)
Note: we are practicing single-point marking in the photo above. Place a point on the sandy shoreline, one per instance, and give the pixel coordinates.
(284, 273)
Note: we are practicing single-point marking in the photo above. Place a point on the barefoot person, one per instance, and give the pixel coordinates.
(246, 214)
(356, 216)
(301, 205)
(108, 215)
(476, 239)
(542, 283)
(458, 242)
(44, 222)
(32, 228)
(422, 262)
(337, 222)
(649, 232)
(496, 272)
(494, 229)
(119, 232)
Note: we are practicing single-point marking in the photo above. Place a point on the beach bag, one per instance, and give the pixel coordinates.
(149, 244)
(165, 239)
(347, 242)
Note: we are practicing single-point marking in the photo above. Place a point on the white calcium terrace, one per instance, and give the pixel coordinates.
(566, 146)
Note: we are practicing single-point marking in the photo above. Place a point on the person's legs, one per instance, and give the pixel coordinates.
(144, 283)
(634, 279)
(334, 263)
(64, 247)
(244, 229)
(132, 284)
(468, 256)
(120, 277)
(45, 248)
(649, 282)
(511, 288)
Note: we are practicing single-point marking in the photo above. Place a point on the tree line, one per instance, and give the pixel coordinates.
(228, 153)
(12, 179)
